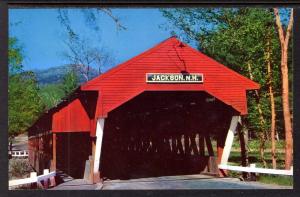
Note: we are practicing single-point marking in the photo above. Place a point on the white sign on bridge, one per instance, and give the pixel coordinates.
(174, 78)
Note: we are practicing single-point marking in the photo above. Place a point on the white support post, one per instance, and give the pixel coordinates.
(99, 137)
(46, 181)
(229, 139)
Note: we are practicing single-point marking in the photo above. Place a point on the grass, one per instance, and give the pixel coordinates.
(254, 145)
(276, 179)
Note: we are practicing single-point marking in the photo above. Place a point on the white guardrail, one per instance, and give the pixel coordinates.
(36, 179)
(253, 169)
(21, 153)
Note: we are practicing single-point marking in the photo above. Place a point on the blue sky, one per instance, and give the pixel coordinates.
(41, 35)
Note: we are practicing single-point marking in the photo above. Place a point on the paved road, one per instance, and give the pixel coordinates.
(187, 182)
(77, 184)
(172, 182)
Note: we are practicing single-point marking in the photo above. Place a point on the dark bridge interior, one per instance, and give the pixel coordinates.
(162, 133)
(73, 149)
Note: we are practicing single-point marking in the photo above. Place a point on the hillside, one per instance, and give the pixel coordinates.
(54, 75)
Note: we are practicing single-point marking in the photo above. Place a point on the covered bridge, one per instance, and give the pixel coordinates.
(153, 115)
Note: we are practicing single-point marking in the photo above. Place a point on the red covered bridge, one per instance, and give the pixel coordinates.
(150, 116)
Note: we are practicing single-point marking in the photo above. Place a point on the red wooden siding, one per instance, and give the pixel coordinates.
(127, 80)
(71, 118)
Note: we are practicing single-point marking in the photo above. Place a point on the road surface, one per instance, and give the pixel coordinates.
(169, 183)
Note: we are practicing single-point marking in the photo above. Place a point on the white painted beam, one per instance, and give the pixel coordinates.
(229, 139)
(253, 169)
(99, 138)
(33, 178)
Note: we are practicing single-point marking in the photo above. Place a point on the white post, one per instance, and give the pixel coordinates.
(33, 174)
(46, 182)
(99, 137)
(229, 139)
(46, 171)
(252, 165)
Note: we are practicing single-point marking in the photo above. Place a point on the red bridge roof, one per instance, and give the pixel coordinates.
(127, 80)
(98, 97)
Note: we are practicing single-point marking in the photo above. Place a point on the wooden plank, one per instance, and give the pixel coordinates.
(33, 178)
(212, 165)
(22, 181)
(209, 146)
(92, 159)
(219, 151)
(201, 145)
(87, 170)
(53, 164)
(46, 176)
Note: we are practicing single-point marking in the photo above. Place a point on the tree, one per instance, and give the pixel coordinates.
(51, 94)
(284, 43)
(70, 82)
(268, 59)
(24, 103)
(15, 56)
(84, 53)
(83, 56)
(245, 40)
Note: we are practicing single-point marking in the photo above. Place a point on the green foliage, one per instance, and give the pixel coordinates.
(24, 103)
(276, 179)
(70, 82)
(15, 55)
(51, 94)
(253, 145)
(238, 38)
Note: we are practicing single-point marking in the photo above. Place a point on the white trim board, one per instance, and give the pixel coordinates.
(99, 136)
(33, 178)
(257, 170)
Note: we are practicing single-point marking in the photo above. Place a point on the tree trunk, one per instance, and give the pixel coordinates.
(261, 117)
(262, 148)
(263, 134)
(273, 127)
(286, 114)
(272, 102)
(284, 40)
(243, 136)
